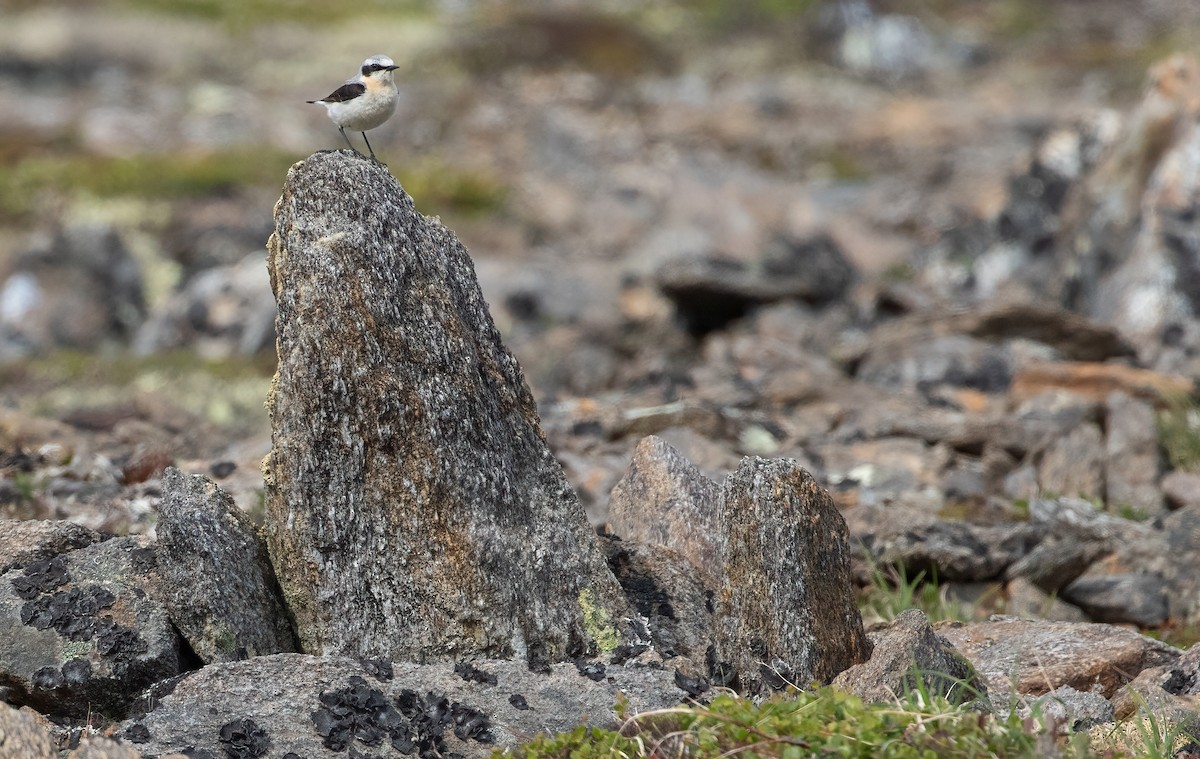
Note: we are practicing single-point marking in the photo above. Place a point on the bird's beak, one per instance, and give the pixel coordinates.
(390, 68)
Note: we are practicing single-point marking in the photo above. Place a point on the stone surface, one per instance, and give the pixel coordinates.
(1097, 380)
(710, 292)
(416, 511)
(218, 584)
(26, 541)
(1035, 657)
(21, 737)
(785, 612)
(665, 500)
(1132, 456)
(1139, 599)
(1073, 465)
(281, 695)
(908, 655)
(1026, 600)
(1074, 711)
(81, 633)
(666, 591)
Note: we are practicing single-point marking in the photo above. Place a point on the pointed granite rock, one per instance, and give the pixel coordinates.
(415, 509)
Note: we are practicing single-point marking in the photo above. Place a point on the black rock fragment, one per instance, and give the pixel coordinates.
(77, 671)
(469, 672)
(627, 651)
(222, 469)
(592, 670)
(518, 701)
(693, 686)
(380, 669)
(243, 739)
(41, 577)
(48, 678)
(136, 733)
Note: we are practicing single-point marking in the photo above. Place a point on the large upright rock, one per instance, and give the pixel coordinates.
(415, 510)
(785, 613)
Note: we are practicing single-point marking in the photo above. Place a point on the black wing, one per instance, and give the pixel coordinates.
(347, 91)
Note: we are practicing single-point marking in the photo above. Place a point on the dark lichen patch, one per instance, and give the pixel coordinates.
(243, 739)
(694, 687)
(77, 671)
(592, 670)
(518, 702)
(71, 613)
(143, 559)
(41, 577)
(411, 724)
(380, 669)
(120, 644)
(472, 674)
(627, 651)
(48, 678)
(136, 733)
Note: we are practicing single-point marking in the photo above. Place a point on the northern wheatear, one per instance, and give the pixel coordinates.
(364, 102)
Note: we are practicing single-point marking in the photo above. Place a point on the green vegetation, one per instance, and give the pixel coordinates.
(226, 394)
(438, 187)
(1179, 432)
(892, 591)
(24, 186)
(820, 722)
(825, 722)
(597, 623)
(240, 14)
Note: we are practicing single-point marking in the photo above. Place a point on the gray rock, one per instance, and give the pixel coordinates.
(23, 542)
(665, 500)
(221, 312)
(934, 360)
(1075, 711)
(1057, 561)
(708, 293)
(909, 656)
(1073, 465)
(1025, 600)
(281, 696)
(1138, 599)
(22, 737)
(415, 509)
(1181, 489)
(218, 584)
(785, 612)
(81, 633)
(1036, 656)
(1132, 459)
(76, 288)
(948, 550)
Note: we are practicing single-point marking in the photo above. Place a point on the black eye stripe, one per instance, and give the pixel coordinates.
(372, 68)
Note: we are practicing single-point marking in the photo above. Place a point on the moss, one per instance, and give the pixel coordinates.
(596, 622)
(1179, 433)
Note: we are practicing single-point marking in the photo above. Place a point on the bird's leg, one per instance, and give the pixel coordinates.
(347, 139)
(373, 158)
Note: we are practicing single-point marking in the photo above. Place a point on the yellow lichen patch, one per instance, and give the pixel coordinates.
(596, 622)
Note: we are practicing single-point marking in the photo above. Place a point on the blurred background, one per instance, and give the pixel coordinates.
(596, 158)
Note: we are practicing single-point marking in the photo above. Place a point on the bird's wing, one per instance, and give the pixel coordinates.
(347, 91)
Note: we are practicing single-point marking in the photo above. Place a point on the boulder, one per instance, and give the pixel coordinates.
(23, 542)
(320, 706)
(909, 656)
(415, 509)
(1035, 657)
(218, 584)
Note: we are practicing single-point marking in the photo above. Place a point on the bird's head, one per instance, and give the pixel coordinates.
(378, 68)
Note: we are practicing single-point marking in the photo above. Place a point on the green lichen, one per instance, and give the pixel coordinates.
(76, 649)
(596, 622)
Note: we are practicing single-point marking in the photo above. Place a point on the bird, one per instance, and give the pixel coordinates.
(365, 101)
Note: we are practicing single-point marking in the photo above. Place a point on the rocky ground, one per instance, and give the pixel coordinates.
(940, 254)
